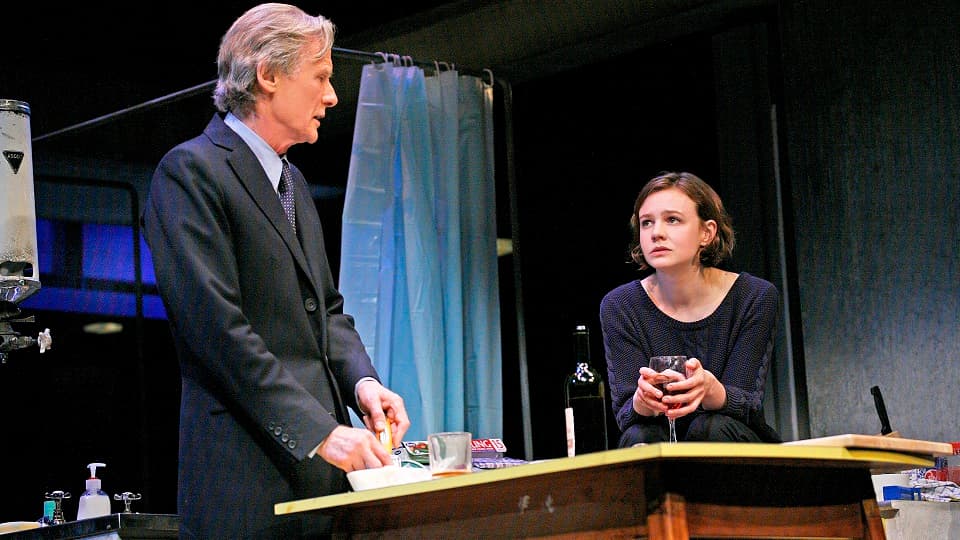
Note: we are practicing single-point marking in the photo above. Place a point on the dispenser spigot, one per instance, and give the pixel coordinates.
(10, 339)
(127, 498)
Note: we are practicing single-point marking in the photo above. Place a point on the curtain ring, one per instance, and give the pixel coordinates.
(382, 55)
(490, 73)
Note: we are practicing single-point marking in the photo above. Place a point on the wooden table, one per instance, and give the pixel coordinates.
(672, 491)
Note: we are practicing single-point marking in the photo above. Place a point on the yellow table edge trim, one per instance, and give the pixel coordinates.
(609, 457)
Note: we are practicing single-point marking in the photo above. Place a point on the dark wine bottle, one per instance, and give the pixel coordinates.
(586, 400)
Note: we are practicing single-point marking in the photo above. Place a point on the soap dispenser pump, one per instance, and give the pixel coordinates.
(94, 502)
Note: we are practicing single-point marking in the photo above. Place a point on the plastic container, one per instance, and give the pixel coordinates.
(49, 507)
(389, 475)
(901, 493)
(94, 502)
(880, 481)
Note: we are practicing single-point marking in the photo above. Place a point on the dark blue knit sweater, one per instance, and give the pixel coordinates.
(734, 343)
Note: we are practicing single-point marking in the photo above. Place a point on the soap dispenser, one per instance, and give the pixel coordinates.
(94, 502)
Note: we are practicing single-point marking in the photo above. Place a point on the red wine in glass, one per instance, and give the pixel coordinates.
(677, 365)
(662, 387)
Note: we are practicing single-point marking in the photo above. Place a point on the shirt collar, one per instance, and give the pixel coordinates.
(268, 158)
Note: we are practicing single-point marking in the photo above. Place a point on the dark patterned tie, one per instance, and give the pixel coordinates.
(286, 194)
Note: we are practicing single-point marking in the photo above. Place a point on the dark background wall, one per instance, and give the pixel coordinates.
(873, 119)
(829, 130)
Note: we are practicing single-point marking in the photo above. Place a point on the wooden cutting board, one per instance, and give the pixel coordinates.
(879, 442)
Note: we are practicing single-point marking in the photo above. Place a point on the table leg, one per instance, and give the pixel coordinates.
(872, 522)
(668, 520)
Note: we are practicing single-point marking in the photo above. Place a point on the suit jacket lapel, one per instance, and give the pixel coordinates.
(251, 175)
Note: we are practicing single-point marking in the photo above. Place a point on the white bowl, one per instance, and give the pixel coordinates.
(390, 475)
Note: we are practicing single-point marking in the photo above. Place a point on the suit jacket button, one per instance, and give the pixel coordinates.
(291, 444)
(310, 304)
(284, 437)
(277, 431)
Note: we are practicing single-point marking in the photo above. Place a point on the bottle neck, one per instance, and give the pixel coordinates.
(581, 345)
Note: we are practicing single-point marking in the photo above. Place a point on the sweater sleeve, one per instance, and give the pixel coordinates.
(623, 343)
(751, 349)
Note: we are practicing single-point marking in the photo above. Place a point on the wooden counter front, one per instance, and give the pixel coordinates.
(661, 491)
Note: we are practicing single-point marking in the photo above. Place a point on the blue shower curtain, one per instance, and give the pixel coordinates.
(418, 258)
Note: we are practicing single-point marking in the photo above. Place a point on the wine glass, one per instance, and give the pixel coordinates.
(677, 365)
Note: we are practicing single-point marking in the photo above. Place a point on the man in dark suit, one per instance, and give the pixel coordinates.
(269, 361)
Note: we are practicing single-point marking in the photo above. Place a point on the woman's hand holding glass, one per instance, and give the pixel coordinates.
(686, 389)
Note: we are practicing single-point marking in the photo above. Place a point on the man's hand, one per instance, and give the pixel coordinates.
(381, 404)
(352, 449)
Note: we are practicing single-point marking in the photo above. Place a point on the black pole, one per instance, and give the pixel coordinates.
(138, 295)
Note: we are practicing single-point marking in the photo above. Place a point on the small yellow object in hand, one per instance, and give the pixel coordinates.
(386, 436)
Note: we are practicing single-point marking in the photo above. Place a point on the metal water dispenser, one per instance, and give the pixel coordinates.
(19, 270)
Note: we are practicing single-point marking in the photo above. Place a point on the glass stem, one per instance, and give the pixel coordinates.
(673, 429)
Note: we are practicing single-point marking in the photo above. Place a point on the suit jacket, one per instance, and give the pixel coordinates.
(268, 359)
